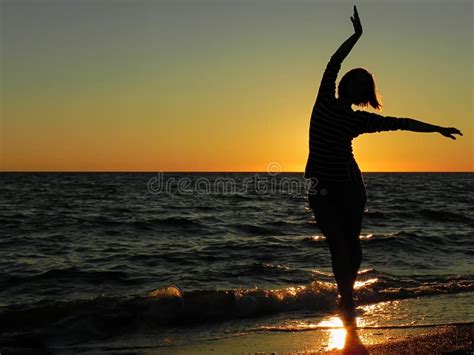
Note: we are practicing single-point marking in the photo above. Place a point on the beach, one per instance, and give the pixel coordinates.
(456, 339)
(219, 177)
(447, 339)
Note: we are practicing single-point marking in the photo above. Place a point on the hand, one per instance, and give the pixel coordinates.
(356, 22)
(449, 131)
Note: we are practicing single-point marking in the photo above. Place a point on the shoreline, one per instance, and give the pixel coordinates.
(439, 339)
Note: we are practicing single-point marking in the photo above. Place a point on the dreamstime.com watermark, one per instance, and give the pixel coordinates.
(271, 182)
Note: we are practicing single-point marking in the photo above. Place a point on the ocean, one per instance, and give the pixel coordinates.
(117, 261)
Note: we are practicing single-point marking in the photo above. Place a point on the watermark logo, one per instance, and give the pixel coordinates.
(273, 181)
(274, 168)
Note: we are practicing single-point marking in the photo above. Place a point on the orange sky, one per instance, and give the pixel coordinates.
(223, 86)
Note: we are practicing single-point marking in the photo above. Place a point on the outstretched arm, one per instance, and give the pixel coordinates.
(328, 82)
(370, 122)
(419, 126)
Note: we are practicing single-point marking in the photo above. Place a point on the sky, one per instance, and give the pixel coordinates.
(223, 85)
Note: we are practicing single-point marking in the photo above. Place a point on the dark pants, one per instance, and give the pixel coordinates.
(338, 209)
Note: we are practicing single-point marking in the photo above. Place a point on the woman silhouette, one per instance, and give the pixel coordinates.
(337, 195)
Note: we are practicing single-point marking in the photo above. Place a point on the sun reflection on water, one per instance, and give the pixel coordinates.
(360, 284)
(337, 333)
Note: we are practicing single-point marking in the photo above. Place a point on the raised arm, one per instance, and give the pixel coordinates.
(345, 48)
(328, 82)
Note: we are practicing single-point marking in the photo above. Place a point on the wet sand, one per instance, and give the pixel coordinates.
(439, 340)
(445, 339)
(452, 339)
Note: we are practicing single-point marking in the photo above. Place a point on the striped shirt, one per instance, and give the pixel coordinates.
(332, 130)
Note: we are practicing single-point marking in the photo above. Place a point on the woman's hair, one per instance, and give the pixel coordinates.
(358, 85)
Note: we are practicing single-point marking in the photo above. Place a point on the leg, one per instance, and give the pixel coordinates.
(353, 227)
(356, 260)
(352, 234)
(342, 266)
(339, 216)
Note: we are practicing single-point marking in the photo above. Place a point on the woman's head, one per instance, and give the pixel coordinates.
(358, 86)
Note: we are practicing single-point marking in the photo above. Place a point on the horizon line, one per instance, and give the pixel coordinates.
(215, 171)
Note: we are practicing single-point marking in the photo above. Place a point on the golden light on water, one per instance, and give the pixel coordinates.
(317, 238)
(292, 291)
(360, 284)
(366, 237)
(337, 333)
(170, 291)
(382, 314)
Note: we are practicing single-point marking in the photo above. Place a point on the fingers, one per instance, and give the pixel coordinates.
(448, 135)
(453, 130)
(450, 131)
(356, 13)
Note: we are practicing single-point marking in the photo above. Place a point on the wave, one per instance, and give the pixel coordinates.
(72, 275)
(178, 223)
(175, 222)
(253, 229)
(444, 216)
(376, 215)
(399, 212)
(410, 241)
(301, 327)
(170, 305)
